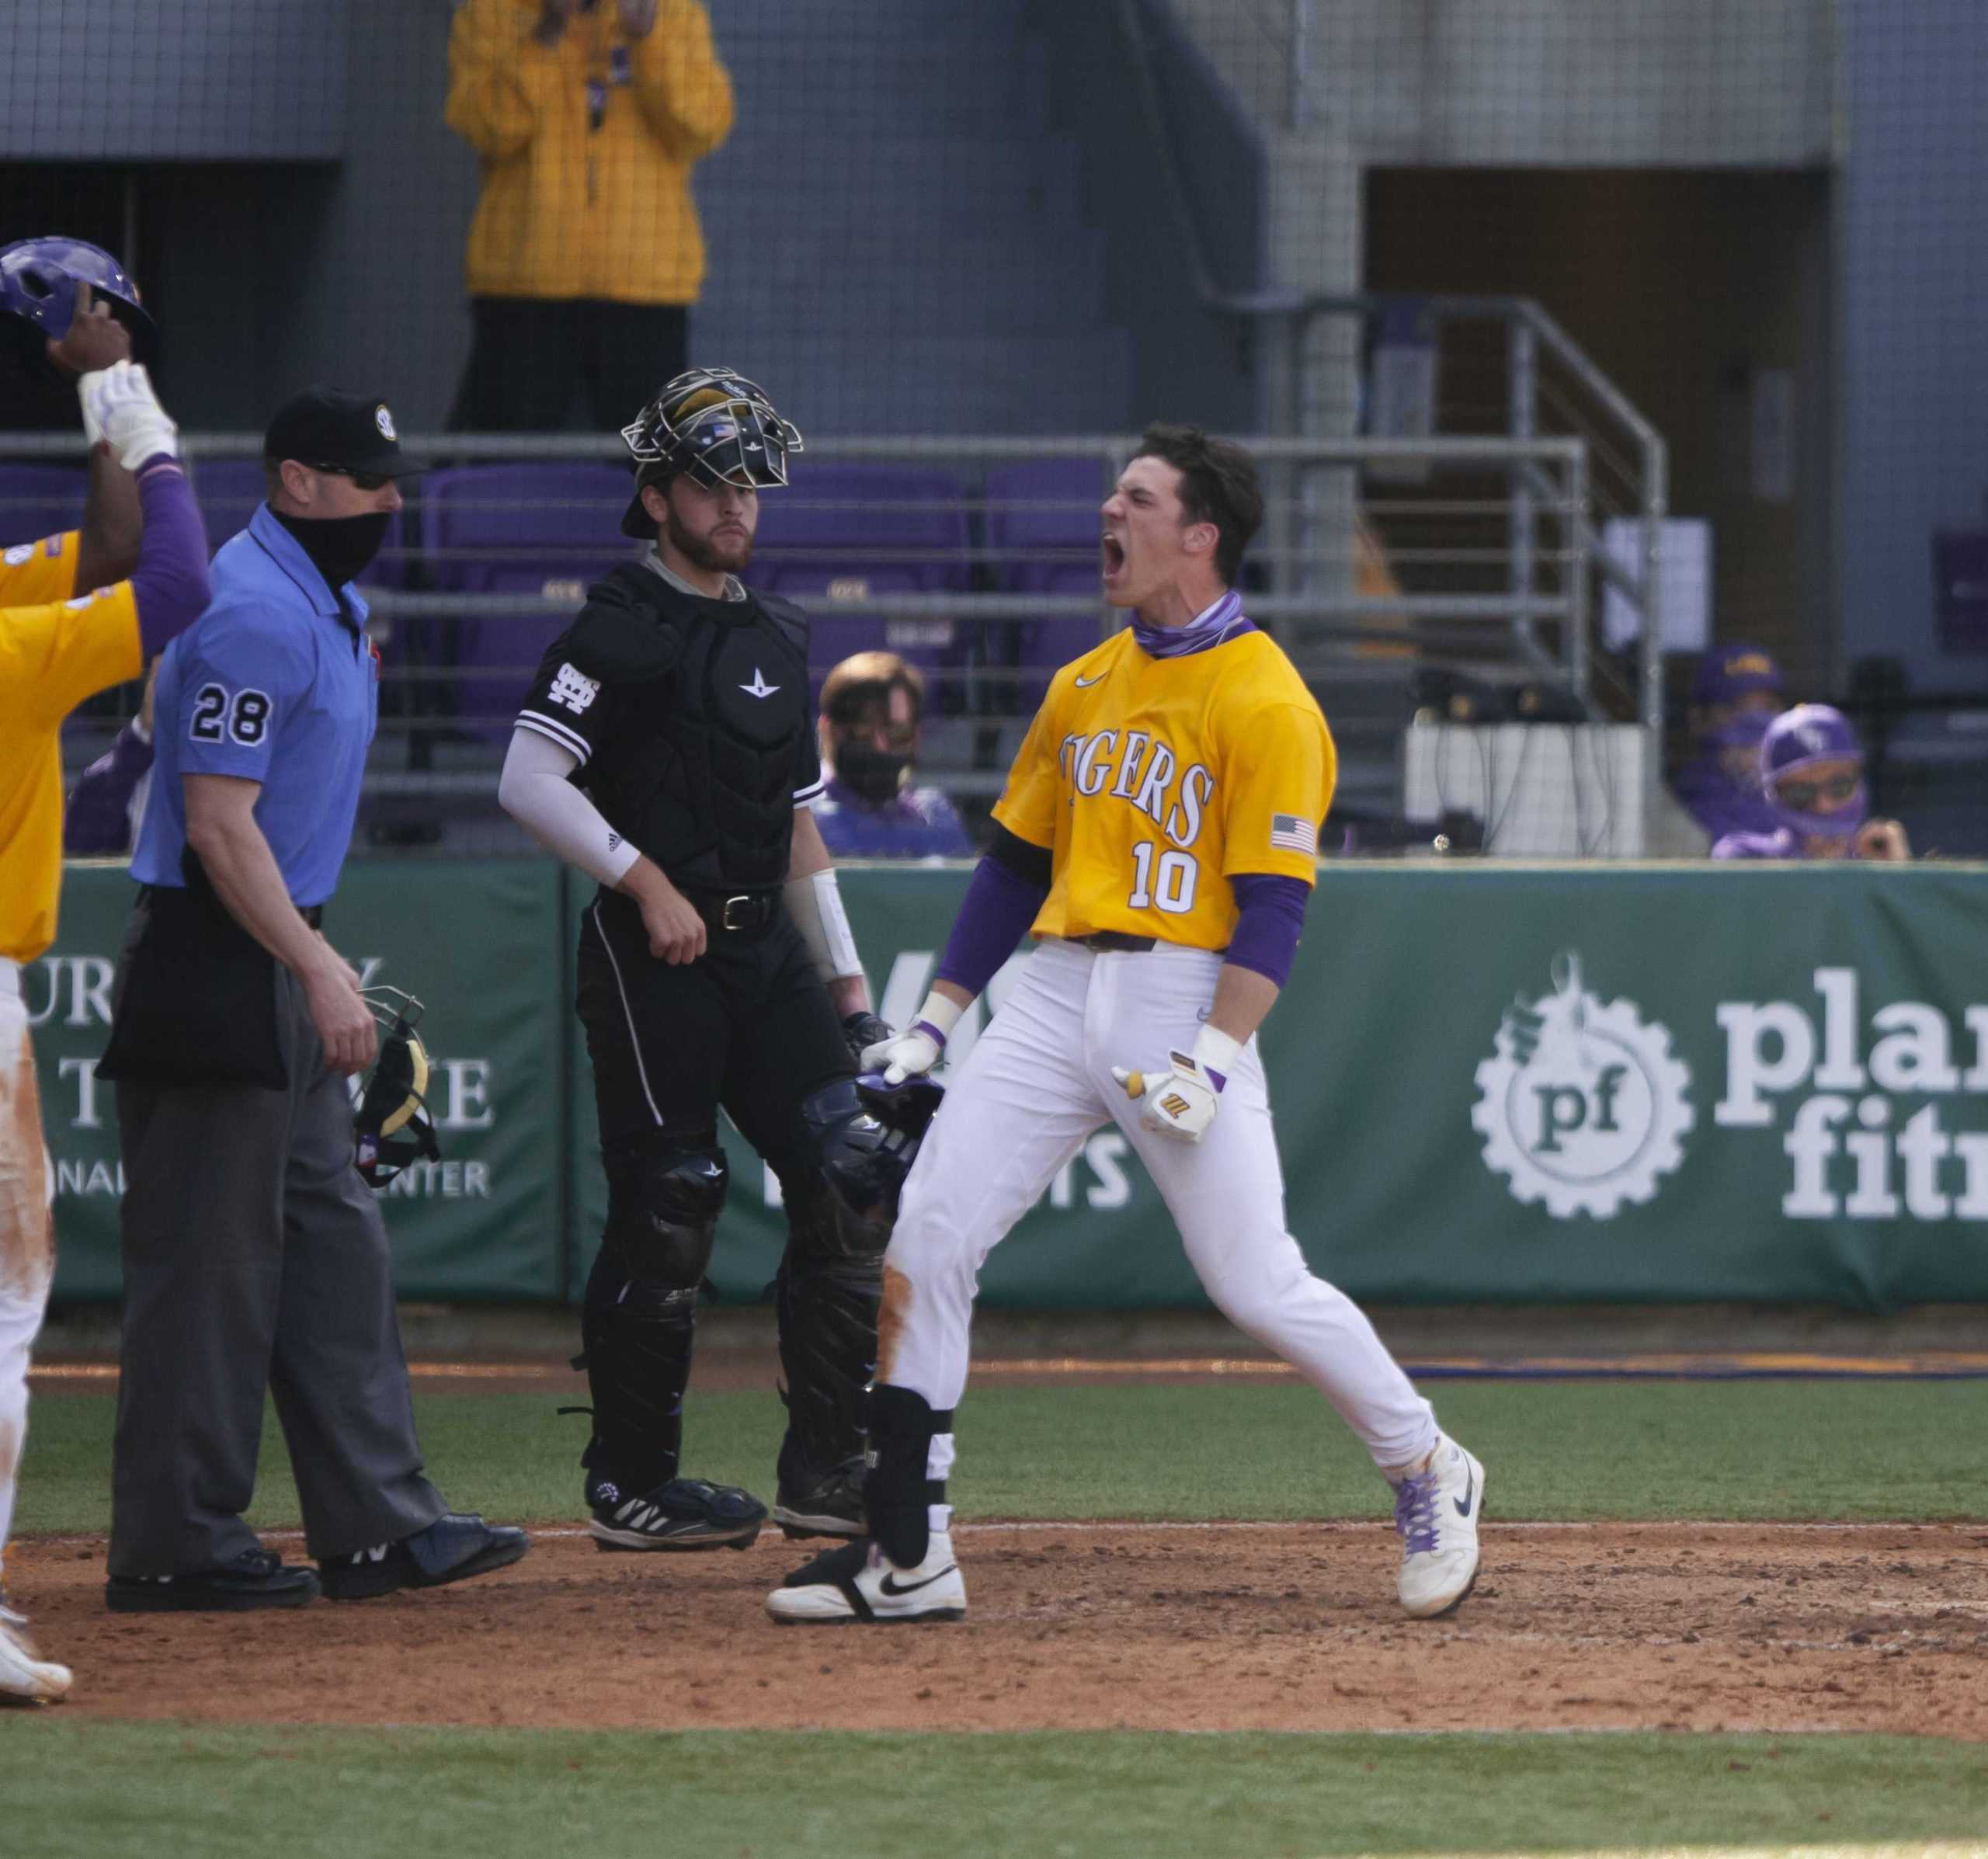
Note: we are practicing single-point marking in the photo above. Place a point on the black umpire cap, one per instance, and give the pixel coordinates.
(334, 431)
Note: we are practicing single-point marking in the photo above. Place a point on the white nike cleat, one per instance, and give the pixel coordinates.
(856, 1583)
(25, 1678)
(1438, 1501)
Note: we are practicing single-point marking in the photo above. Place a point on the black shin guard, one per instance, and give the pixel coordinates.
(828, 1353)
(638, 1362)
(898, 1491)
(641, 1308)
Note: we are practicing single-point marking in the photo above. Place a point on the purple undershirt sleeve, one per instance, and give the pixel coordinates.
(1272, 917)
(170, 584)
(994, 915)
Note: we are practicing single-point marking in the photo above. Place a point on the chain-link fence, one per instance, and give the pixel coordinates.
(1730, 254)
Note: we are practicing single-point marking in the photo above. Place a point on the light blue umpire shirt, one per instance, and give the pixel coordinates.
(273, 683)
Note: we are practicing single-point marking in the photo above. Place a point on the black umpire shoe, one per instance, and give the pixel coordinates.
(452, 1548)
(685, 1514)
(829, 1505)
(256, 1578)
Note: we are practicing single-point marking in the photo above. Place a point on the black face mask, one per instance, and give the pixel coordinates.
(339, 547)
(876, 774)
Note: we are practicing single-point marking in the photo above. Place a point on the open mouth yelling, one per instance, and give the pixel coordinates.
(1113, 552)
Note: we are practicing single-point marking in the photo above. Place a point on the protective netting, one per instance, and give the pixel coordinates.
(1572, 320)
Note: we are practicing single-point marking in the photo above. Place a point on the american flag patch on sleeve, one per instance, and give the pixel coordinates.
(1289, 833)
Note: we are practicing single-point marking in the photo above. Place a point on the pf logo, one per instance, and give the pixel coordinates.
(1581, 1105)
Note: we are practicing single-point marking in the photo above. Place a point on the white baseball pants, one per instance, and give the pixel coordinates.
(27, 1232)
(1037, 1083)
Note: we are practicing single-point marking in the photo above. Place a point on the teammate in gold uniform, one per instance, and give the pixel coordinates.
(1158, 834)
(69, 627)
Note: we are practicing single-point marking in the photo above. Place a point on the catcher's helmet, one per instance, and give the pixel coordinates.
(38, 280)
(392, 1126)
(713, 424)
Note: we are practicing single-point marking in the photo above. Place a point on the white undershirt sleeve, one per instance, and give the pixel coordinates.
(534, 791)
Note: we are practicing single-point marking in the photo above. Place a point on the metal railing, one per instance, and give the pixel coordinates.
(1357, 612)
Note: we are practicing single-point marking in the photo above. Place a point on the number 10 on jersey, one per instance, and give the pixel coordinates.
(1170, 887)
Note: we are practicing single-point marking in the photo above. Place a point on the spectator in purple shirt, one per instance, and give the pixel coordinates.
(1812, 771)
(1737, 690)
(109, 798)
(872, 706)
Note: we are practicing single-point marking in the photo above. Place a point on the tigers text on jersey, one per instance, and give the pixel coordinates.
(54, 651)
(1153, 781)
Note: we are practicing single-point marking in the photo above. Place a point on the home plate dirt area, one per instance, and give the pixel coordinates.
(1274, 1626)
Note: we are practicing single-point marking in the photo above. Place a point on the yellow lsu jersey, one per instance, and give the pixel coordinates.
(1154, 781)
(54, 651)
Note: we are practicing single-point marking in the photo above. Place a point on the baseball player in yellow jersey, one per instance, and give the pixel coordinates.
(1159, 832)
(64, 635)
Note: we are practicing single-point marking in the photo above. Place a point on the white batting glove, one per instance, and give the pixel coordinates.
(120, 405)
(1181, 1101)
(920, 1047)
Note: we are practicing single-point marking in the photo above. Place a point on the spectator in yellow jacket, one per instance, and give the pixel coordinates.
(585, 252)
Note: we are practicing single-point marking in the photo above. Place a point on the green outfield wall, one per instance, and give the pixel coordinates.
(1501, 1083)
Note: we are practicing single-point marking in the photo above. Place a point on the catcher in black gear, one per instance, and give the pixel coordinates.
(667, 748)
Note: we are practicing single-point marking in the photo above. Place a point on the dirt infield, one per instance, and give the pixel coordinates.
(1880, 1628)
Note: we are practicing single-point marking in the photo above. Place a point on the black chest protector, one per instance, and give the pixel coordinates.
(712, 727)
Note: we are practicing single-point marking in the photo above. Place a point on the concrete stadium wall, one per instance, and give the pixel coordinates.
(914, 226)
(1912, 309)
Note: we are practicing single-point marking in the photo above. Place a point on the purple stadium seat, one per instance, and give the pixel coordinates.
(512, 529)
(1960, 589)
(228, 490)
(1042, 538)
(39, 500)
(840, 533)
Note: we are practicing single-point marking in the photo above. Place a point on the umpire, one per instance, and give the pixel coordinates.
(255, 1256)
(667, 748)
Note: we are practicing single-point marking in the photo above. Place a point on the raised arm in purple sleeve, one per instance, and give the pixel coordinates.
(1272, 916)
(1008, 888)
(170, 581)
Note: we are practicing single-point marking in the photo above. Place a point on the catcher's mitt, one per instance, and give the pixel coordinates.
(392, 1126)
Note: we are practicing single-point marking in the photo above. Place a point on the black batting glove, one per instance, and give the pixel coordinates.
(863, 1030)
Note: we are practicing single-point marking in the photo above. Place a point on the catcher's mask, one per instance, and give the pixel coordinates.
(713, 425)
(392, 1126)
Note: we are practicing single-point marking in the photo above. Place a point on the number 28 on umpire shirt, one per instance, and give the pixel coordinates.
(271, 684)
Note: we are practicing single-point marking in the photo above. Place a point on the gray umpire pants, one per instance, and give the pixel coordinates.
(255, 1257)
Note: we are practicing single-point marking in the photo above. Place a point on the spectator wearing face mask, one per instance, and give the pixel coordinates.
(872, 705)
(1736, 694)
(1812, 777)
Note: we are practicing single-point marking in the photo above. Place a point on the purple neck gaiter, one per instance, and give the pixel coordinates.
(1209, 627)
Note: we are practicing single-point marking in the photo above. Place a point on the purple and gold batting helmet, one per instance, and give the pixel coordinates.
(38, 280)
(1801, 738)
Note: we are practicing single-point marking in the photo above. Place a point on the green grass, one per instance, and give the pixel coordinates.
(106, 1789)
(1822, 1450)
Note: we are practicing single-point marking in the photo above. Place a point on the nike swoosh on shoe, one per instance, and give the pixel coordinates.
(891, 1586)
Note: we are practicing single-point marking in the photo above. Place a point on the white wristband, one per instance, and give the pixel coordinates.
(940, 1014)
(836, 933)
(1215, 1052)
(814, 902)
